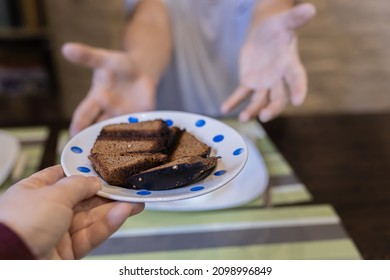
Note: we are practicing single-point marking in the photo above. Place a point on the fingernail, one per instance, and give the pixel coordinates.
(119, 213)
(96, 180)
(297, 100)
(265, 116)
(244, 117)
(224, 109)
(73, 130)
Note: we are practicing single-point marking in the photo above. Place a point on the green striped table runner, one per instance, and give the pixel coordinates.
(305, 232)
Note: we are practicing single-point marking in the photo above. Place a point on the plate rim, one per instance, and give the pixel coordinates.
(7, 169)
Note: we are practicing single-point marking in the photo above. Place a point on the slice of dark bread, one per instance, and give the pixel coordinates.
(188, 145)
(116, 168)
(147, 136)
(173, 174)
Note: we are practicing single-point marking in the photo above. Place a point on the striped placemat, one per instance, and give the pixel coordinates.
(305, 232)
(251, 231)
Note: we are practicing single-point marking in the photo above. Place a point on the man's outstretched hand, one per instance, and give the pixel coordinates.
(271, 73)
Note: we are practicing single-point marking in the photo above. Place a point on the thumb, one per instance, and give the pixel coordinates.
(298, 15)
(91, 57)
(74, 189)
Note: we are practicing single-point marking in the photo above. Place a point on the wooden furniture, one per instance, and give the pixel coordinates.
(28, 83)
(344, 160)
(97, 23)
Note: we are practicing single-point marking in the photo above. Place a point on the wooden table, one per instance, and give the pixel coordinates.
(344, 160)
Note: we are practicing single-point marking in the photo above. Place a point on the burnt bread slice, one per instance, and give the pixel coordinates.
(115, 169)
(188, 145)
(157, 129)
(173, 139)
(173, 174)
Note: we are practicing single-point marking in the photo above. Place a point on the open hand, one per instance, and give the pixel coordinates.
(271, 73)
(121, 84)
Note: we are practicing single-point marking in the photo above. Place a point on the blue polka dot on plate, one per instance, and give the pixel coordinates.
(143, 192)
(133, 120)
(169, 122)
(197, 188)
(76, 150)
(218, 138)
(83, 169)
(238, 151)
(220, 172)
(200, 123)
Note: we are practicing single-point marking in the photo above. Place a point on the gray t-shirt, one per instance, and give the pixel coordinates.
(203, 71)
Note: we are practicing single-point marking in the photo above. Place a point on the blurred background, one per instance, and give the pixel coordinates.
(345, 50)
(34, 77)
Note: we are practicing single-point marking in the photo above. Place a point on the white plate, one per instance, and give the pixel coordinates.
(9, 151)
(223, 140)
(248, 185)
